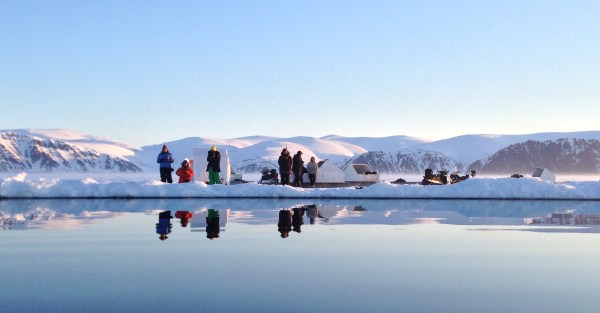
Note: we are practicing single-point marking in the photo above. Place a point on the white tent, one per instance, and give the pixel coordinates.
(200, 164)
(544, 174)
(360, 173)
(327, 173)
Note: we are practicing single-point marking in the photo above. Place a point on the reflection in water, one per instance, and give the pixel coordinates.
(212, 224)
(164, 225)
(297, 219)
(371, 267)
(47, 218)
(312, 213)
(566, 219)
(184, 217)
(284, 226)
(211, 216)
(211, 221)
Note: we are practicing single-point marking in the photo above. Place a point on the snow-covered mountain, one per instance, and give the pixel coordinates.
(69, 151)
(405, 162)
(559, 156)
(390, 143)
(62, 151)
(470, 148)
(250, 154)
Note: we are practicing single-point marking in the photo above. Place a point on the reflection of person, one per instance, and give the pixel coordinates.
(184, 216)
(165, 159)
(298, 169)
(284, 226)
(312, 213)
(185, 172)
(212, 224)
(285, 166)
(312, 167)
(164, 225)
(214, 166)
(297, 220)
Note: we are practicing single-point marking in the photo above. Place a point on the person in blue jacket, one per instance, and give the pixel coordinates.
(165, 159)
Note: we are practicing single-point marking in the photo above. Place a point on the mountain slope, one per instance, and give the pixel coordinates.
(405, 162)
(389, 144)
(560, 156)
(22, 151)
(470, 148)
(59, 150)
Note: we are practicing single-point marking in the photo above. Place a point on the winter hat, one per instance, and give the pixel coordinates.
(186, 160)
(213, 148)
(165, 147)
(299, 152)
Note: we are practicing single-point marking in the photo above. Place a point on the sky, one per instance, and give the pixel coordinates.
(146, 72)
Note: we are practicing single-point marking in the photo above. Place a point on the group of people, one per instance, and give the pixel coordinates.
(185, 172)
(288, 165)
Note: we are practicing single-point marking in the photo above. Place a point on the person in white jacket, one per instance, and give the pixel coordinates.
(312, 169)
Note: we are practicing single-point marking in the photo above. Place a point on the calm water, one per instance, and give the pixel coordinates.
(357, 256)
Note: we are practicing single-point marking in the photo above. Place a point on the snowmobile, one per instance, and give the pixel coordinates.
(269, 177)
(456, 178)
(442, 177)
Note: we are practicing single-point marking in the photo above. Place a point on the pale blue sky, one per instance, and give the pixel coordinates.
(145, 72)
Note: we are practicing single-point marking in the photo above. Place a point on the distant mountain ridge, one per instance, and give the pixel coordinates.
(565, 155)
(68, 151)
(23, 152)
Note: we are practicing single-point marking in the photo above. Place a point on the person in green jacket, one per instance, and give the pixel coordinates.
(214, 166)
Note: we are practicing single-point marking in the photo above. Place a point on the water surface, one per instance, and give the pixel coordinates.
(357, 256)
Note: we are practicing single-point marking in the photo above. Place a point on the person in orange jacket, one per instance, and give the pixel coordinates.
(185, 172)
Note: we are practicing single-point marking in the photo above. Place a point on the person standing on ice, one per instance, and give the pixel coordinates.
(312, 167)
(298, 169)
(185, 172)
(165, 159)
(285, 166)
(214, 166)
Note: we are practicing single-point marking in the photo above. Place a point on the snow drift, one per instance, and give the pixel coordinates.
(476, 188)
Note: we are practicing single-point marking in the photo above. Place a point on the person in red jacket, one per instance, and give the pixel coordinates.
(185, 172)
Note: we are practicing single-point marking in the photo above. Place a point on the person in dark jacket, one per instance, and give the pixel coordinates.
(298, 169)
(285, 166)
(165, 159)
(185, 172)
(214, 166)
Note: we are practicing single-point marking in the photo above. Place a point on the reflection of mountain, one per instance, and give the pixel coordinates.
(73, 213)
(566, 219)
(44, 218)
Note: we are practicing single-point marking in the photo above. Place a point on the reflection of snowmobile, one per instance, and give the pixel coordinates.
(269, 177)
(442, 177)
